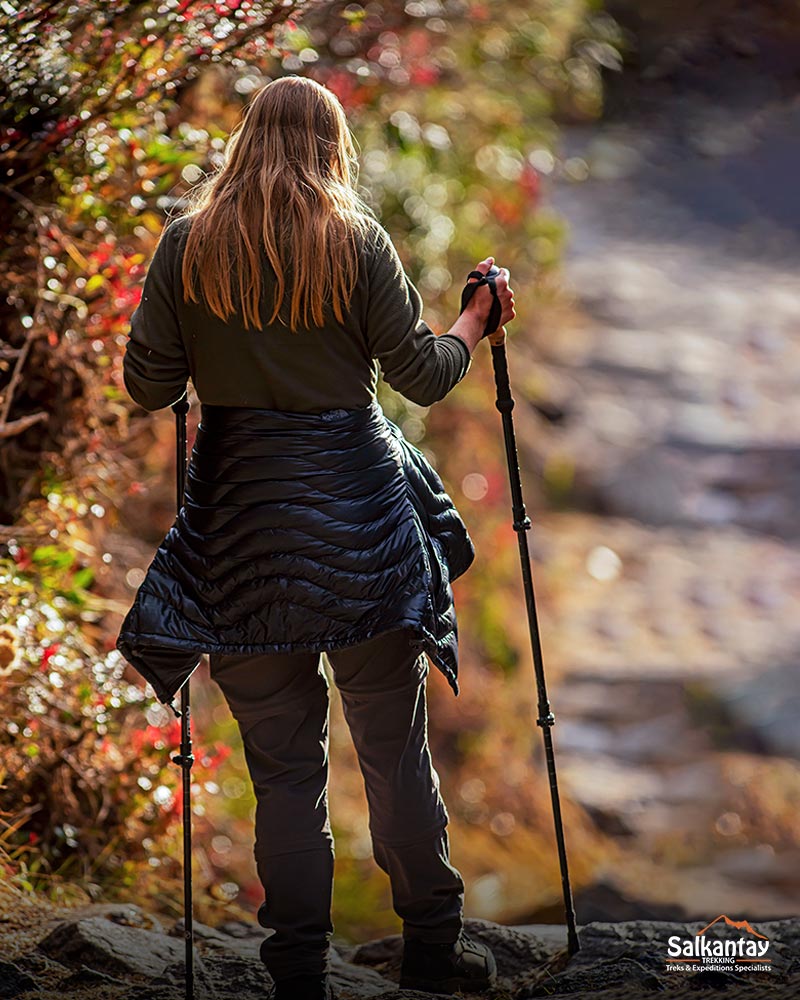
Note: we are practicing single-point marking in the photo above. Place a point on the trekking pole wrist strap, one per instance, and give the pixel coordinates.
(468, 291)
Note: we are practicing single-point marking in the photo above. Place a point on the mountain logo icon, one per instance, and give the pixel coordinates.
(739, 925)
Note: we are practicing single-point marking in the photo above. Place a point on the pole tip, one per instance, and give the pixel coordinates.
(573, 943)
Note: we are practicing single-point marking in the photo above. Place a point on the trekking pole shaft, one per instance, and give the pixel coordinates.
(185, 758)
(546, 719)
(181, 408)
(188, 907)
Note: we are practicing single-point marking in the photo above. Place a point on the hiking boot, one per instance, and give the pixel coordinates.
(303, 988)
(446, 968)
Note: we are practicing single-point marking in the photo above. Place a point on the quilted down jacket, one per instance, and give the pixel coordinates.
(299, 531)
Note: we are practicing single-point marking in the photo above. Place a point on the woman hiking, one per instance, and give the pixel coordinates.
(309, 523)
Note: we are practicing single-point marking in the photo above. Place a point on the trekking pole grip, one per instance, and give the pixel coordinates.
(496, 311)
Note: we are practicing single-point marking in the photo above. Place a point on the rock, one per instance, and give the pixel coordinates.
(155, 993)
(600, 976)
(240, 929)
(647, 485)
(516, 951)
(205, 985)
(13, 980)
(231, 975)
(344, 949)
(201, 932)
(384, 954)
(127, 914)
(357, 981)
(618, 961)
(89, 977)
(766, 702)
(116, 949)
(246, 943)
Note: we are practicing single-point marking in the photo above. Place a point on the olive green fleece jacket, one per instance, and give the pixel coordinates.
(311, 370)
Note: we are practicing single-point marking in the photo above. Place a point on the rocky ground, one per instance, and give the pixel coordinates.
(117, 952)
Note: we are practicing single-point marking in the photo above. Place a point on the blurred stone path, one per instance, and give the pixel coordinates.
(672, 608)
(682, 383)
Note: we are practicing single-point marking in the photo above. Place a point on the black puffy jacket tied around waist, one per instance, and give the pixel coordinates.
(299, 531)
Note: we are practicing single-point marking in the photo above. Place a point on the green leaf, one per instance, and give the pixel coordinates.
(51, 555)
(83, 577)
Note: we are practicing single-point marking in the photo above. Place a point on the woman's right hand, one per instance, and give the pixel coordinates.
(481, 301)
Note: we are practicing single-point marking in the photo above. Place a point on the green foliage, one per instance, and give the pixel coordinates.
(87, 789)
(64, 66)
(454, 113)
(69, 745)
(84, 159)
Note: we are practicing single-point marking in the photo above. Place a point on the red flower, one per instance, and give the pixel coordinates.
(147, 737)
(22, 557)
(424, 76)
(48, 653)
(530, 182)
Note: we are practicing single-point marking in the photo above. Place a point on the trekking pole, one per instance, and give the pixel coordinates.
(522, 523)
(185, 758)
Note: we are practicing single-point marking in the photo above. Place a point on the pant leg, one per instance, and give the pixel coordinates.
(280, 702)
(382, 685)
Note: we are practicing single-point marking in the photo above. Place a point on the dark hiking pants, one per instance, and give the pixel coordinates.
(280, 702)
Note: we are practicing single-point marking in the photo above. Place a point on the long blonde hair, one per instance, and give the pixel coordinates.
(287, 186)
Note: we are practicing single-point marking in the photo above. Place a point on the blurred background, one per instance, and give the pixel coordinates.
(635, 166)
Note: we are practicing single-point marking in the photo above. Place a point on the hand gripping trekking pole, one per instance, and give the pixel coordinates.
(185, 759)
(546, 719)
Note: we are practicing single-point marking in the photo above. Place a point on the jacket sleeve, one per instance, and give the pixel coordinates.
(155, 369)
(414, 361)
